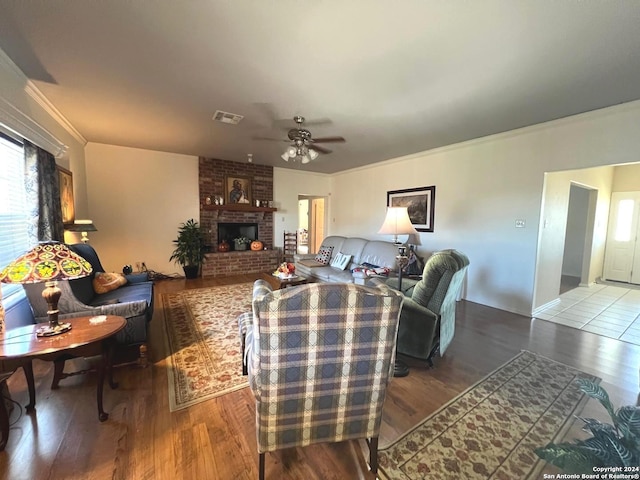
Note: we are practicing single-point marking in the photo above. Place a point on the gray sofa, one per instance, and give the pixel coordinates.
(371, 252)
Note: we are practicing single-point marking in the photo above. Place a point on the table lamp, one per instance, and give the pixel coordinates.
(82, 226)
(397, 222)
(47, 262)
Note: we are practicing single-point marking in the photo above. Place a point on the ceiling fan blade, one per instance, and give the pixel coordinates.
(287, 123)
(320, 149)
(328, 140)
(271, 139)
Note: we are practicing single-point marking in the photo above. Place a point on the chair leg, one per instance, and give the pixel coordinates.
(261, 467)
(373, 455)
(143, 360)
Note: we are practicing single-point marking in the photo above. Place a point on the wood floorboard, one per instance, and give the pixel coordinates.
(216, 439)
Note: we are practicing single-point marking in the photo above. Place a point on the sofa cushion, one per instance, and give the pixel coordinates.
(324, 255)
(382, 254)
(353, 247)
(311, 263)
(105, 282)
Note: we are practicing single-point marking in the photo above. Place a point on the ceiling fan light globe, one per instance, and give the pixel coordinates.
(313, 154)
(291, 151)
(306, 159)
(285, 156)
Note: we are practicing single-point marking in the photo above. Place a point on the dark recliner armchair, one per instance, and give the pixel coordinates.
(428, 317)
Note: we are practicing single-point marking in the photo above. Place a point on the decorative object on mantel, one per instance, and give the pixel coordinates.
(420, 203)
(256, 245)
(223, 246)
(240, 243)
(189, 251)
(238, 190)
(47, 262)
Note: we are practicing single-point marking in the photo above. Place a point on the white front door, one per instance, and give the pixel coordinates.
(622, 256)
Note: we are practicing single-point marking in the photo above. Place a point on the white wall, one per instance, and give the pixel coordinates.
(626, 178)
(287, 185)
(482, 187)
(578, 211)
(137, 199)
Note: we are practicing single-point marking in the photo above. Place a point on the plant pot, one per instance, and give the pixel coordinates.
(191, 271)
(240, 246)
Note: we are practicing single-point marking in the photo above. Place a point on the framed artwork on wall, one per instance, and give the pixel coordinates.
(65, 178)
(420, 203)
(238, 189)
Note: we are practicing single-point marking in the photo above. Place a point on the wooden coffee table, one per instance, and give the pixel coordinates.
(277, 283)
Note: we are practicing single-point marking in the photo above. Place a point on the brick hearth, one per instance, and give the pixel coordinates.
(224, 264)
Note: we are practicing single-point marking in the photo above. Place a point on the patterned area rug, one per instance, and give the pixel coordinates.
(491, 429)
(203, 340)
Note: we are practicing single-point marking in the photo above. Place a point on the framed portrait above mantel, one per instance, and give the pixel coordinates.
(420, 203)
(238, 190)
(65, 178)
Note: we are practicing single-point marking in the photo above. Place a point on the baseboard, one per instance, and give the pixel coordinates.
(545, 306)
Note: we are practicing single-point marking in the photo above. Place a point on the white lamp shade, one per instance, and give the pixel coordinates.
(291, 151)
(313, 154)
(285, 156)
(397, 222)
(305, 159)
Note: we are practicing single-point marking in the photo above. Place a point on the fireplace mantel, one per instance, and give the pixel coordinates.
(218, 210)
(238, 208)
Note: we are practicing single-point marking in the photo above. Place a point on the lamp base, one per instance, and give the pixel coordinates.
(49, 331)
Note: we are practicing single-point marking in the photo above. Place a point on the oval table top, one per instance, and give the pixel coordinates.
(23, 342)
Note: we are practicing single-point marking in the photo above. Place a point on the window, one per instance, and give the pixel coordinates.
(14, 238)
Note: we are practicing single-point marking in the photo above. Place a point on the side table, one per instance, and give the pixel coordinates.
(88, 337)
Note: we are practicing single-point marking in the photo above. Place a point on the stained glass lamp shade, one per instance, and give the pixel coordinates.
(47, 262)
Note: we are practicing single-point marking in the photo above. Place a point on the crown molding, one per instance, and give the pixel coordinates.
(48, 107)
(25, 126)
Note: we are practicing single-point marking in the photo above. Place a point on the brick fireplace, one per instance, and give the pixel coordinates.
(212, 184)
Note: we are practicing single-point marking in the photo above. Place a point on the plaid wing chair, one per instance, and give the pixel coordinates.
(320, 357)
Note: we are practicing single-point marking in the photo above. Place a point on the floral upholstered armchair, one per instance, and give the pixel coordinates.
(320, 357)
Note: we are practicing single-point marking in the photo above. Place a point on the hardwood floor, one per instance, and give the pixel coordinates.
(216, 439)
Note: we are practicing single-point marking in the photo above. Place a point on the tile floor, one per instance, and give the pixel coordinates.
(607, 310)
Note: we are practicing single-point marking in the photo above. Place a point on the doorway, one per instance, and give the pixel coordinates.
(311, 223)
(622, 253)
(576, 259)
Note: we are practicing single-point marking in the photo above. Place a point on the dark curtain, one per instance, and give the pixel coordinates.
(43, 192)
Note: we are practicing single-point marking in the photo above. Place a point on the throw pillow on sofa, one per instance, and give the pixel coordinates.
(105, 282)
(341, 261)
(324, 255)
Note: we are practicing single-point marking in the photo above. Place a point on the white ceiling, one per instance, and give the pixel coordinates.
(394, 78)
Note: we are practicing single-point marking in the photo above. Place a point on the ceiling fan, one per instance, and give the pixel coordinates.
(303, 146)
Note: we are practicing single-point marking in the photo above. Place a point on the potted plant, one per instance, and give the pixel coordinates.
(240, 243)
(189, 251)
(616, 445)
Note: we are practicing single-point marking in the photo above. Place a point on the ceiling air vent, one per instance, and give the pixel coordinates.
(226, 117)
